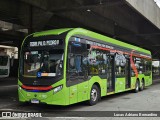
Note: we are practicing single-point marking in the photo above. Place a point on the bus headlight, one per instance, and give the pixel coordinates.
(19, 87)
(57, 89)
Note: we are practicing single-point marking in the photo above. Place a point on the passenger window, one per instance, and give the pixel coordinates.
(120, 61)
(139, 64)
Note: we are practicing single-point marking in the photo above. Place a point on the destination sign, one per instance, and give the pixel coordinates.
(44, 43)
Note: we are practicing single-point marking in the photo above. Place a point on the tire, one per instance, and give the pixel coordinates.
(94, 95)
(142, 87)
(136, 87)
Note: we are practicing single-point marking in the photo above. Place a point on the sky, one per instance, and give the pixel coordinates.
(155, 63)
(157, 2)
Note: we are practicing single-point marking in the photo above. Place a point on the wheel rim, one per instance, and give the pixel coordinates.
(137, 87)
(94, 95)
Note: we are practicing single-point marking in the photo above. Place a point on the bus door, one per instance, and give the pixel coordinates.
(111, 73)
(72, 79)
(82, 74)
(77, 73)
(128, 73)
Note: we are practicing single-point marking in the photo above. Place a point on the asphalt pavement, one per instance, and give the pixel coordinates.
(146, 100)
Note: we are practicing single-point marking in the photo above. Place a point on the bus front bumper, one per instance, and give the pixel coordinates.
(42, 97)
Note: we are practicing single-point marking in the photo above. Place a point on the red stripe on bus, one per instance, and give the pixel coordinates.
(131, 57)
(112, 50)
(36, 88)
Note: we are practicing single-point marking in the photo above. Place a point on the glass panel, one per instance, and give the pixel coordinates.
(3, 60)
(120, 61)
(77, 61)
(43, 63)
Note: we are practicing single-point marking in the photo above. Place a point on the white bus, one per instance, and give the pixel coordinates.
(4, 66)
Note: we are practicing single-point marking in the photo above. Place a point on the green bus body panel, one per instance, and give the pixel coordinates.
(81, 31)
(119, 85)
(51, 32)
(81, 92)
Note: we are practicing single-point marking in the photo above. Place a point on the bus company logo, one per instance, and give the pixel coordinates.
(11, 115)
(38, 74)
(6, 115)
(35, 83)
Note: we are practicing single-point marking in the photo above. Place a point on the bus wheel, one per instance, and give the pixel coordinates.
(136, 87)
(94, 95)
(142, 87)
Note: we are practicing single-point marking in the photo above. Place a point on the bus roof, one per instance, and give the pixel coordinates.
(51, 32)
(81, 31)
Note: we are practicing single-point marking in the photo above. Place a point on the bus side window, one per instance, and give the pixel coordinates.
(148, 67)
(138, 64)
(120, 61)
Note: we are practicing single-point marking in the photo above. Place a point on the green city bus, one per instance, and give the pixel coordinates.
(71, 65)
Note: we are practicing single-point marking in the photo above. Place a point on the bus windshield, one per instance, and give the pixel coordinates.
(3, 60)
(43, 63)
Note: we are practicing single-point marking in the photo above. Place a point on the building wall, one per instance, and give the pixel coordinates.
(148, 8)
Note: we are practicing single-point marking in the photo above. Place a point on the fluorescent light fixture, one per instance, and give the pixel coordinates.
(4, 29)
(88, 10)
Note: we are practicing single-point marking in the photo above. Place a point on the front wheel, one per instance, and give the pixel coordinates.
(94, 95)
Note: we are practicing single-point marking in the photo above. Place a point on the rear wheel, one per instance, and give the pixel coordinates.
(94, 95)
(136, 87)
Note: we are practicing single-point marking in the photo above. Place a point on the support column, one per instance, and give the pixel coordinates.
(159, 69)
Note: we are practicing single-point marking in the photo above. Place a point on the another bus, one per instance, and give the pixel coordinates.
(71, 65)
(4, 65)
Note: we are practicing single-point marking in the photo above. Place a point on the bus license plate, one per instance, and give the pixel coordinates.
(35, 101)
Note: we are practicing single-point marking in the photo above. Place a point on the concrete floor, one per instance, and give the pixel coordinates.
(147, 100)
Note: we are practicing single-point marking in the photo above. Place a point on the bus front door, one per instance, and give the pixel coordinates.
(77, 80)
